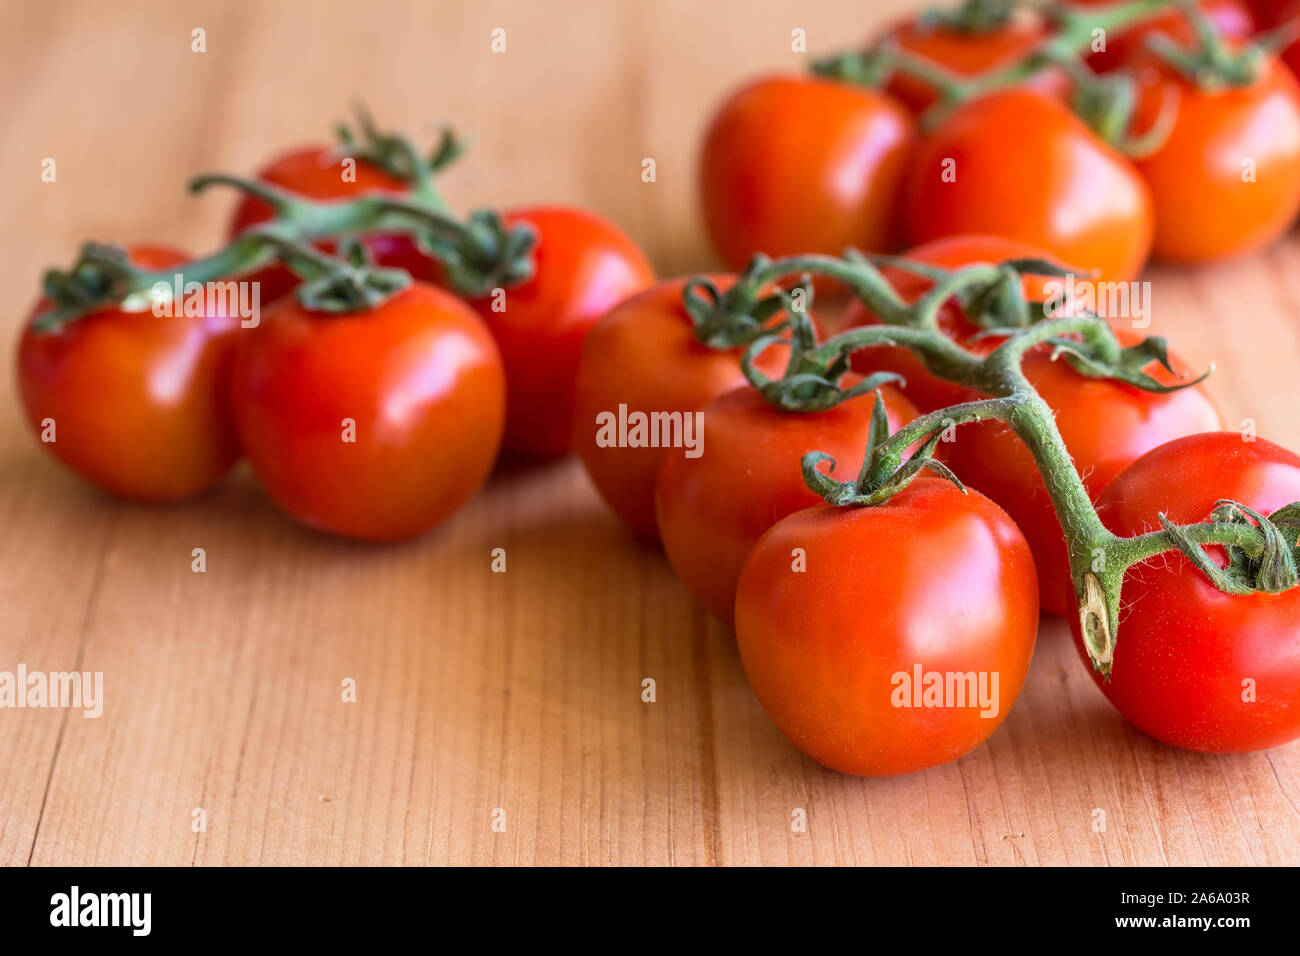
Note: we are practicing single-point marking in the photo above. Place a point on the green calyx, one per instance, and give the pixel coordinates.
(1268, 565)
(397, 156)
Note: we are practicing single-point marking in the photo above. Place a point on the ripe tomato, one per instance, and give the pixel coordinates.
(643, 358)
(933, 580)
(1235, 150)
(1232, 18)
(1060, 188)
(712, 508)
(584, 267)
(1105, 425)
(317, 173)
(137, 400)
(795, 164)
(1194, 667)
(374, 425)
(968, 54)
(928, 391)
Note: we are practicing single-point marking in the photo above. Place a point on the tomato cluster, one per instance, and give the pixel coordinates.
(375, 422)
(1162, 158)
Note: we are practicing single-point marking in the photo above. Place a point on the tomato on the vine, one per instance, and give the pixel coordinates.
(1231, 18)
(374, 424)
(1192, 666)
(1105, 425)
(1019, 165)
(1226, 180)
(584, 267)
(968, 53)
(846, 617)
(794, 164)
(926, 390)
(132, 401)
(319, 172)
(643, 359)
(711, 508)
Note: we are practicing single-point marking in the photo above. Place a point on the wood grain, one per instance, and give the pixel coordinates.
(478, 691)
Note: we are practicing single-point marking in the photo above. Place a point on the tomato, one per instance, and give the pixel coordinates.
(795, 164)
(643, 358)
(1192, 666)
(316, 172)
(967, 54)
(584, 267)
(1104, 424)
(932, 581)
(137, 400)
(373, 425)
(1236, 150)
(1019, 165)
(1232, 18)
(712, 508)
(926, 390)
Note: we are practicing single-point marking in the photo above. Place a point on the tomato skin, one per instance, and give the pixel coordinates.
(584, 267)
(1212, 134)
(420, 377)
(711, 509)
(316, 172)
(138, 400)
(1105, 426)
(1184, 649)
(643, 354)
(1061, 188)
(932, 578)
(926, 390)
(794, 164)
(1232, 18)
(968, 54)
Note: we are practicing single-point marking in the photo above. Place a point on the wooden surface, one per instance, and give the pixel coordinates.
(478, 691)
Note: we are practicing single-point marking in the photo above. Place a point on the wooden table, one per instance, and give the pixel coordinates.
(478, 691)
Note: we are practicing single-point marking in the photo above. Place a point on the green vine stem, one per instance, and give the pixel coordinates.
(1263, 553)
(476, 255)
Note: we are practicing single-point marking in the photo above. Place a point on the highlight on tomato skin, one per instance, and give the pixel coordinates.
(1193, 667)
(796, 164)
(134, 402)
(845, 615)
(374, 425)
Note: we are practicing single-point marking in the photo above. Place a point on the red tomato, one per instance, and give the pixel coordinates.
(317, 173)
(933, 580)
(928, 391)
(796, 164)
(585, 266)
(1194, 667)
(1232, 18)
(969, 54)
(1105, 425)
(420, 383)
(643, 358)
(712, 508)
(1236, 151)
(137, 401)
(1060, 188)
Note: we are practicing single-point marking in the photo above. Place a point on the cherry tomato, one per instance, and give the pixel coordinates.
(928, 391)
(968, 54)
(931, 581)
(317, 172)
(1227, 179)
(1105, 425)
(373, 425)
(1232, 18)
(1194, 667)
(797, 164)
(712, 508)
(135, 402)
(643, 358)
(585, 266)
(1019, 165)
